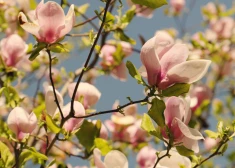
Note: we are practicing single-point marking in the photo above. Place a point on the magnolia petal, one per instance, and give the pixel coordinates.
(29, 27)
(187, 111)
(120, 72)
(115, 158)
(142, 71)
(69, 21)
(186, 72)
(189, 132)
(125, 120)
(51, 105)
(173, 109)
(191, 144)
(150, 60)
(175, 55)
(97, 158)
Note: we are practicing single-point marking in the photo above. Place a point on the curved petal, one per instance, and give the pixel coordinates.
(115, 158)
(51, 105)
(150, 60)
(69, 21)
(189, 132)
(29, 27)
(142, 71)
(120, 72)
(175, 55)
(125, 120)
(97, 159)
(191, 144)
(186, 72)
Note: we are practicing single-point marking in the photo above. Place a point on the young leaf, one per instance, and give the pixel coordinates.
(52, 125)
(184, 151)
(151, 3)
(36, 51)
(176, 90)
(58, 48)
(103, 146)
(134, 72)
(7, 158)
(87, 134)
(211, 134)
(148, 126)
(156, 112)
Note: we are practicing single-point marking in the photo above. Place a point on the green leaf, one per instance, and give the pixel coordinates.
(151, 3)
(120, 35)
(184, 151)
(127, 18)
(7, 158)
(156, 112)
(87, 134)
(51, 124)
(31, 153)
(211, 134)
(38, 110)
(58, 48)
(134, 72)
(148, 126)
(81, 10)
(36, 51)
(224, 148)
(103, 146)
(176, 90)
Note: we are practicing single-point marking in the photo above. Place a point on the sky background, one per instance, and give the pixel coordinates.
(113, 89)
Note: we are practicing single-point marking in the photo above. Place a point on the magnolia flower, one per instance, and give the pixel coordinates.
(174, 161)
(177, 116)
(49, 22)
(117, 68)
(113, 159)
(223, 27)
(21, 122)
(13, 48)
(198, 94)
(166, 64)
(146, 157)
(177, 5)
(51, 105)
(73, 123)
(89, 93)
(142, 11)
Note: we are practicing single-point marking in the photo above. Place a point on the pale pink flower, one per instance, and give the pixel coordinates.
(210, 143)
(223, 27)
(165, 62)
(146, 157)
(13, 48)
(198, 94)
(177, 5)
(51, 105)
(118, 69)
(73, 123)
(174, 161)
(49, 22)
(88, 92)
(177, 116)
(21, 122)
(113, 159)
(142, 11)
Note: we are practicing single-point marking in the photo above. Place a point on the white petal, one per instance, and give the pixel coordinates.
(115, 159)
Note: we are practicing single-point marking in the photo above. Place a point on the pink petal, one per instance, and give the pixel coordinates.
(186, 72)
(150, 60)
(191, 144)
(120, 72)
(175, 55)
(97, 159)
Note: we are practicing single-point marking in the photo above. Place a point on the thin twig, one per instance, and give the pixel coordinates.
(89, 56)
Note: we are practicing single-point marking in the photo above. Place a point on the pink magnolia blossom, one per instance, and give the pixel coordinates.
(177, 116)
(13, 48)
(198, 94)
(174, 161)
(21, 122)
(146, 157)
(165, 62)
(177, 5)
(118, 69)
(142, 11)
(51, 105)
(113, 159)
(49, 22)
(73, 123)
(89, 92)
(223, 27)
